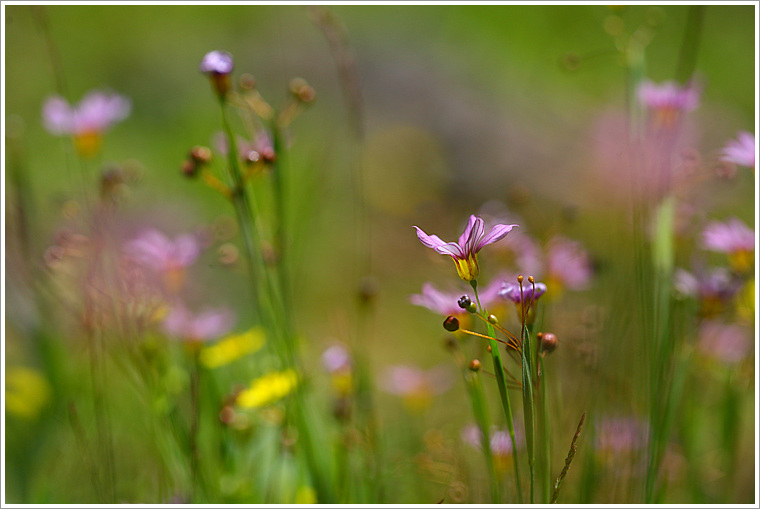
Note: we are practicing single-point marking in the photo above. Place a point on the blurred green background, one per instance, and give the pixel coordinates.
(463, 105)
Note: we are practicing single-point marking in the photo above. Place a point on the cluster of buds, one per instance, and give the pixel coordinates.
(466, 303)
(197, 158)
(301, 90)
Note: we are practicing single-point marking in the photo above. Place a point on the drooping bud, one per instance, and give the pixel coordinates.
(451, 324)
(549, 342)
(475, 365)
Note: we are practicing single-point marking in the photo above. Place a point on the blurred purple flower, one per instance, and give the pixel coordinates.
(217, 62)
(446, 303)
(620, 434)
(95, 113)
(730, 237)
(713, 289)
(741, 151)
(156, 251)
(668, 96)
(336, 359)
(500, 442)
(568, 264)
(415, 385)
(205, 326)
(168, 258)
(511, 291)
(728, 343)
(471, 241)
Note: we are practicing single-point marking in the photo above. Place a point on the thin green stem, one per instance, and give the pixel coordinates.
(481, 416)
(501, 382)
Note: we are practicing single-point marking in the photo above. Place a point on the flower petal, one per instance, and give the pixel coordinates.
(467, 231)
(478, 230)
(441, 247)
(497, 233)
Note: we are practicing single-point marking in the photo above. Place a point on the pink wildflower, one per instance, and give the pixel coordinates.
(464, 252)
(741, 151)
(205, 326)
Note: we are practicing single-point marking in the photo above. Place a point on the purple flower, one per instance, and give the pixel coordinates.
(87, 121)
(668, 97)
(156, 251)
(218, 65)
(217, 62)
(741, 151)
(464, 252)
(568, 264)
(205, 326)
(336, 359)
(415, 385)
(620, 434)
(95, 113)
(735, 239)
(500, 442)
(511, 291)
(446, 303)
(166, 257)
(713, 289)
(727, 343)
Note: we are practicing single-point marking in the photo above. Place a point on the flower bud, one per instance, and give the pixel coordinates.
(201, 155)
(189, 168)
(548, 342)
(302, 90)
(493, 320)
(247, 81)
(218, 65)
(464, 302)
(451, 324)
(475, 365)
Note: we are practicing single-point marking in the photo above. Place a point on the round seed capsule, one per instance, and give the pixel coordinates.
(451, 324)
(475, 365)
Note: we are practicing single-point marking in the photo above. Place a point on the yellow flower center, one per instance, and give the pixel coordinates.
(468, 268)
(88, 143)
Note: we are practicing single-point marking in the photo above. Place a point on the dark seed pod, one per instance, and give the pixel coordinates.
(451, 324)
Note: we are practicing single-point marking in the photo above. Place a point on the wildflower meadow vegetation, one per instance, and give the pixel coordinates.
(228, 243)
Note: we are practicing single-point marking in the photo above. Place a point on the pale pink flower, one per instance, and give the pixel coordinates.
(567, 263)
(158, 252)
(205, 326)
(416, 386)
(445, 303)
(618, 435)
(741, 151)
(94, 114)
(336, 359)
(728, 343)
(668, 96)
(464, 252)
(730, 237)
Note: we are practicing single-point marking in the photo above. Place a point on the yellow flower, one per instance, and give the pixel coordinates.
(232, 348)
(26, 392)
(268, 389)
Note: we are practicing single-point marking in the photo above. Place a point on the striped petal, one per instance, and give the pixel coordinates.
(497, 233)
